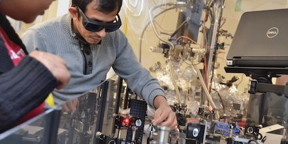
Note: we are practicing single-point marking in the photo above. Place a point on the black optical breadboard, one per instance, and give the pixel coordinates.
(138, 109)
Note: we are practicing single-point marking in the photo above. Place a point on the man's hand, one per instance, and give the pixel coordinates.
(164, 116)
(55, 64)
(70, 106)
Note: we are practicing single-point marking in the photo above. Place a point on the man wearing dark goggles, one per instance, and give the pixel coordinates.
(90, 42)
(92, 23)
(96, 25)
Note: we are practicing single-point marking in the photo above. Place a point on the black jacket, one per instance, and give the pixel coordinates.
(22, 88)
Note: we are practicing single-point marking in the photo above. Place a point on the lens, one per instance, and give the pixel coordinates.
(112, 28)
(92, 27)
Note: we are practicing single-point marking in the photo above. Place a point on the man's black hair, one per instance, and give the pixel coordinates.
(105, 6)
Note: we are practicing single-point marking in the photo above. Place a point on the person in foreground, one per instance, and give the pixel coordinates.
(90, 41)
(25, 80)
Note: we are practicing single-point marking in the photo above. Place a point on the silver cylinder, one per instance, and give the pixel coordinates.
(163, 135)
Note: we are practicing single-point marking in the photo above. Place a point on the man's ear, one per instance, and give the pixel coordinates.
(73, 12)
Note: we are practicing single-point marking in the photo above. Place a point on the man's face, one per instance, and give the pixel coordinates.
(93, 14)
(24, 10)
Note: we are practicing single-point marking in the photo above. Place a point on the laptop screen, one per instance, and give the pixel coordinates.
(261, 40)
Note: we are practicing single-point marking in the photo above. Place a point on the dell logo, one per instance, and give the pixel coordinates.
(272, 32)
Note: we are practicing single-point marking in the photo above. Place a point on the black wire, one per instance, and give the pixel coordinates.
(222, 102)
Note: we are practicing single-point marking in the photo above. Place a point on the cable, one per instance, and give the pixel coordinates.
(159, 26)
(222, 102)
(241, 80)
(205, 88)
(180, 26)
(223, 22)
(224, 109)
(142, 34)
(187, 38)
(216, 24)
(152, 22)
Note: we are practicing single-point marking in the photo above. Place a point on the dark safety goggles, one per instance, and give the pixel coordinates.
(96, 25)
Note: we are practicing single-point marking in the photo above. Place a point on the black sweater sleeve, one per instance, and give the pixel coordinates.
(22, 89)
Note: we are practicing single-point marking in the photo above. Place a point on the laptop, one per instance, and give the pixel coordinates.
(261, 40)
